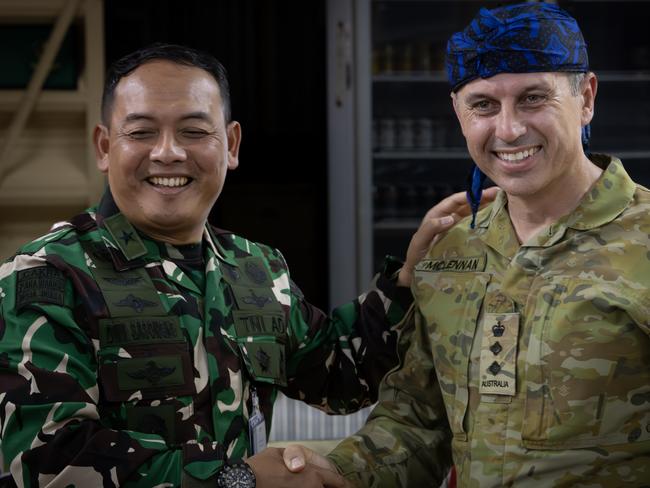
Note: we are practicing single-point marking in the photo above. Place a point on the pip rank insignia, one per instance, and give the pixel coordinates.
(499, 354)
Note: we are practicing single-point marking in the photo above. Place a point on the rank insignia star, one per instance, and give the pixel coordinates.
(127, 237)
(263, 359)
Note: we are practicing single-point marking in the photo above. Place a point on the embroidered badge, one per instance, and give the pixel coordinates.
(151, 373)
(137, 304)
(263, 359)
(44, 284)
(460, 264)
(496, 348)
(258, 301)
(231, 272)
(126, 237)
(494, 368)
(498, 329)
(139, 330)
(255, 273)
(498, 363)
(123, 281)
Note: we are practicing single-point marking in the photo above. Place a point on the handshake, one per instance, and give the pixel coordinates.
(296, 466)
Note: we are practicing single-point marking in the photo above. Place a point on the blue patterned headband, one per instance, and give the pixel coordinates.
(521, 38)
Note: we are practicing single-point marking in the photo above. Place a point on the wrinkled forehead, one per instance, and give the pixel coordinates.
(513, 84)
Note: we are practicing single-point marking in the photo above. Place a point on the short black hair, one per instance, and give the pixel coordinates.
(175, 53)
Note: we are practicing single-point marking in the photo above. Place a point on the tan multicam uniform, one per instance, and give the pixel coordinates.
(540, 354)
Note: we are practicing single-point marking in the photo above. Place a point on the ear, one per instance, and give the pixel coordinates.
(101, 141)
(234, 139)
(455, 102)
(588, 93)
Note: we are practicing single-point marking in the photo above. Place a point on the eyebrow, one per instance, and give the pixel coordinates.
(136, 116)
(473, 97)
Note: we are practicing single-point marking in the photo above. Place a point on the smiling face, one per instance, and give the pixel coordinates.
(524, 131)
(167, 149)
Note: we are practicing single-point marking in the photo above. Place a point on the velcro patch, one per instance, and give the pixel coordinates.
(459, 264)
(43, 284)
(253, 324)
(267, 361)
(128, 331)
(255, 299)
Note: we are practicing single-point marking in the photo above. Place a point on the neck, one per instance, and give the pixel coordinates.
(532, 213)
(177, 238)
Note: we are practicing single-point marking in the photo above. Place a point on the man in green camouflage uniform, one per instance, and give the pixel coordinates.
(529, 361)
(137, 343)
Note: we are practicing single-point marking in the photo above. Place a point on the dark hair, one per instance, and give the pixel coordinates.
(170, 52)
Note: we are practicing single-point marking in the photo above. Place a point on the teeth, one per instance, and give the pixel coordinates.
(171, 182)
(517, 156)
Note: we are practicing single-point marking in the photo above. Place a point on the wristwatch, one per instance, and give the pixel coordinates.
(236, 475)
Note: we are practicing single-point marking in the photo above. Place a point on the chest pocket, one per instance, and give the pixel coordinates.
(450, 303)
(259, 321)
(588, 368)
(144, 358)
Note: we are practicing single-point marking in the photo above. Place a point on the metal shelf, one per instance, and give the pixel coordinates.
(623, 76)
(411, 77)
(447, 154)
(625, 154)
(397, 225)
(441, 77)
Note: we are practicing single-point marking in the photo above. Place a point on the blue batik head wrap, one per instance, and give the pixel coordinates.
(521, 38)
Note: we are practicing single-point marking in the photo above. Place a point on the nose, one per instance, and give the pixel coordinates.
(167, 150)
(510, 125)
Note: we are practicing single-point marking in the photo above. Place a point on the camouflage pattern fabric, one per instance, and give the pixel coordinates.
(147, 379)
(535, 357)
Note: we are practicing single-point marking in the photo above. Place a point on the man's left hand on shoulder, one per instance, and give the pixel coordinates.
(438, 219)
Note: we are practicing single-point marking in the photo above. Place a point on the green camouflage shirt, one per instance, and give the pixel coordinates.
(530, 363)
(119, 369)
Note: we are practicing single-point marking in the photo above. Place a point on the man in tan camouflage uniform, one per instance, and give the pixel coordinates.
(529, 361)
(141, 347)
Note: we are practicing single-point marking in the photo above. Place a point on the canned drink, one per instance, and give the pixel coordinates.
(423, 134)
(387, 134)
(405, 133)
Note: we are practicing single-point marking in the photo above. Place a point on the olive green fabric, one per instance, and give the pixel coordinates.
(569, 310)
